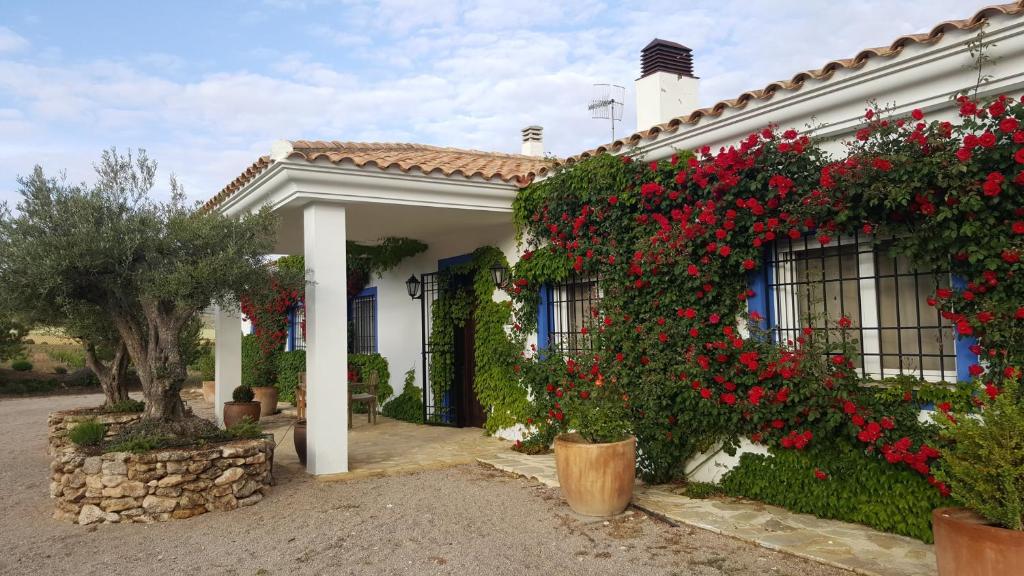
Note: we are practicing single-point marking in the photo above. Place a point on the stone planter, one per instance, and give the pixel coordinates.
(60, 423)
(235, 412)
(965, 545)
(267, 397)
(596, 479)
(159, 485)
(209, 390)
(299, 436)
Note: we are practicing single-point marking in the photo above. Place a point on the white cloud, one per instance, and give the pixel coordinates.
(453, 73)
(10, 41)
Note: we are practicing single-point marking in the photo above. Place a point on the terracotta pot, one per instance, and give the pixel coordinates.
(234, 412)
(596, 479)
(966, 545)
(209, 390)
(267, 397)
(299, 435)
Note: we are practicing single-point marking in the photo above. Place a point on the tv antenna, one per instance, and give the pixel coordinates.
(607, 103)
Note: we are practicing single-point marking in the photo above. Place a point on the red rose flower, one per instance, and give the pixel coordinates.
(916, 114)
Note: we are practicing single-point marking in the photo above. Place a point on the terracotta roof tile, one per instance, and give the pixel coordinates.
(511, 168)
(798, 80)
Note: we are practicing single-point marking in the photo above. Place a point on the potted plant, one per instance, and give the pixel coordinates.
(267, 397)
(984, 470)
(299, 436)
(596, 459)
(242, 407)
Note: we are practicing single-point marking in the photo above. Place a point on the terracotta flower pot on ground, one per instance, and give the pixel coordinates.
(596, 479)
(965, 545)
(234, 412)
(299, 435)
(267, 397)
(209, 390)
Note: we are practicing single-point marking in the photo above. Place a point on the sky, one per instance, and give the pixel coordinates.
(207, 86)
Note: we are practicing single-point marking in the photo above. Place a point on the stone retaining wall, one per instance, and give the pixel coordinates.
(60, 423)
(159, 485)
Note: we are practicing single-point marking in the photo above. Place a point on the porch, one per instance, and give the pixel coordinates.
(329, 193)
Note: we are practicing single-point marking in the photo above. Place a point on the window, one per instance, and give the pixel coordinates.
(569, 305)
(363, 332)
(297, 328)
(882, 295)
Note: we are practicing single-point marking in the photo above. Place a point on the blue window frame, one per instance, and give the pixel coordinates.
(803, 283)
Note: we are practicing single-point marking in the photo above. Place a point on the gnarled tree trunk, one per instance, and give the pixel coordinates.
(155, 347)
(111, 376)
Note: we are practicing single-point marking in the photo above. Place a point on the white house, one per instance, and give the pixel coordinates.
(458, 200)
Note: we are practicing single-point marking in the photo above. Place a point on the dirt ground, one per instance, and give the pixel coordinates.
(468, 520)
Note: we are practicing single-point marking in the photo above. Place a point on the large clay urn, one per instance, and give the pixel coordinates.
(235, 412)
(966, 545)
(209, 390)
(596, 479)
(299, 436)
(267, 397)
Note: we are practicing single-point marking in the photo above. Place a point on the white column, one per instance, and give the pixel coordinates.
(228, 351)
(326, 339)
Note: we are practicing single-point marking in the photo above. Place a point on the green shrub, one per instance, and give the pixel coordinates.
(366, 363)
(702, 489)
(243, 394)
(128, 405)
(533, 445)
(408, 406)
(256, 371)
(138, 443)
(87, 433)
(72, 358)
(206, 364)
(289, 366)
(244, 429)
(60, 370)
(856, 488)
(985, 467)
(20, 387)
(21, 365)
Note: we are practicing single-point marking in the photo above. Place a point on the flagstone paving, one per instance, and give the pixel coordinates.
(850, 546)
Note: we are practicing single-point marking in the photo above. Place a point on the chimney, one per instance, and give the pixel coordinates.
(533, 141)
(667, 87)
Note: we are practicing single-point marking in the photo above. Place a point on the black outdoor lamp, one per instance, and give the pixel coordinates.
(499, 273)
(412, 286)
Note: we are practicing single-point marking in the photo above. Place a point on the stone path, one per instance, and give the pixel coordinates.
(850, 546)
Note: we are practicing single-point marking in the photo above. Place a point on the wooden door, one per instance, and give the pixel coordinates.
(471, 412)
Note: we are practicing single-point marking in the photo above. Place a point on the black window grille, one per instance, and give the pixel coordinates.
(570, 306)
(299, 328)
(883, 297)
(364, 324)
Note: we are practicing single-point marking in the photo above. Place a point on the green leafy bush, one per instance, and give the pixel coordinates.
(985, 466)
(840, 482)
(206, 364)
(137, 444)
(255, 370)
(19, 387)
(21, 365)
(289, 366)
(408, 406)
(244, 429)
(88, 433)
(243, 394)
(60, 370)
(703, 490)
(127, 406)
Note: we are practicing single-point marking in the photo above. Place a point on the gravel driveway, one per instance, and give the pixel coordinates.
(468, 520)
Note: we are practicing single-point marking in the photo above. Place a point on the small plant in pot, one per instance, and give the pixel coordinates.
(984, 470)
(242, 407)
(595, 458)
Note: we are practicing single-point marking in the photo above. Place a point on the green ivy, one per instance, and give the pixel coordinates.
(469, 288)
(408, 406)
(838, 481)
(289, 366)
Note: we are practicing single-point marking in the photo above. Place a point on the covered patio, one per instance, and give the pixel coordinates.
(327, 193)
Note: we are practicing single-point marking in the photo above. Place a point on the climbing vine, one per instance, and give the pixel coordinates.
(674, 242)
(468, 289)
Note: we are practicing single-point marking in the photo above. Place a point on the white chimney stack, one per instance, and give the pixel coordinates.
(667, 87)
(533, 141)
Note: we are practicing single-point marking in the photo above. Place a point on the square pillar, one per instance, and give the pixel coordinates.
(228, 352)
(326, 339)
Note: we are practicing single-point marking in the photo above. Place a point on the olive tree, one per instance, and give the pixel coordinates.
(149, 265)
